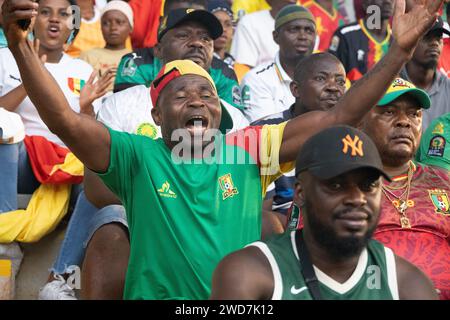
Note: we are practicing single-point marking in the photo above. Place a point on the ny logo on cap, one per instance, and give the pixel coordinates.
(354, 144)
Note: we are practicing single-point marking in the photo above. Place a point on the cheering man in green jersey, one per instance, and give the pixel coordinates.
(185, 217)
(338, 189)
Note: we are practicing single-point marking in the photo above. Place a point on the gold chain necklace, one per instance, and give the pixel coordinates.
(398, 202)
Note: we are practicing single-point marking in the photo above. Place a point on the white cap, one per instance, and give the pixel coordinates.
(12, 128)
(121, 6)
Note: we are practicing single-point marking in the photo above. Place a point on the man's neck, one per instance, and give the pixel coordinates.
(327, 5)
(338, 269)
(289, 65)
(420, 75)
(396, 170)
(378, 33)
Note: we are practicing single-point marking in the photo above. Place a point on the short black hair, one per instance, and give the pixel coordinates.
(169, 3)
(447, 10)
(306, 65)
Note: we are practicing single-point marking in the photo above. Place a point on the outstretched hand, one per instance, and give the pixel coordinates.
(13, 11)
(409, 27)
(94, 90)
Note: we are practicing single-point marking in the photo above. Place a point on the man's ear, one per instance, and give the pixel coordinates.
(294, 86)
(275, 35)
(156, 115)
(157, 51)
(299, 198)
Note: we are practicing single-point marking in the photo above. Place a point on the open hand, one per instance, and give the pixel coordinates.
(408, 28)
(94, 90)
(13, 11)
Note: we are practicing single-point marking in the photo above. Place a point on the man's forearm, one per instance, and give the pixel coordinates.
(80, 133)
(366, 92)
(44, 92)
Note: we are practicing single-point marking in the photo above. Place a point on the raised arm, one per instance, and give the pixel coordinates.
(87, 139)
(407, 30)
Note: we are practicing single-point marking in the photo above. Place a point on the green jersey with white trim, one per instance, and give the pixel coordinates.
(374, 278)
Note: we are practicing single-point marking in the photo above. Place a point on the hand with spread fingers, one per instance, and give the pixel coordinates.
(409, 27)
(14, 13)
(94, 90)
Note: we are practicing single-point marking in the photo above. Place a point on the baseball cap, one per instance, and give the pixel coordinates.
(400, 87)
(292, 12)
(434, 146)
(338, 150)
(176, 17)
(439, 26)
(121, 6)
(178, 68)
(220, 5)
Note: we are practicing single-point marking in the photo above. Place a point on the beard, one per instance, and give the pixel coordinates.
(337, 246)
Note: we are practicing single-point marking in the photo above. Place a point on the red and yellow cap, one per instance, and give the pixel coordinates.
(178, 68)
(173, 70)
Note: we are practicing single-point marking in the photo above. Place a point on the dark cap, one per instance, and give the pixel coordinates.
(178, 16)
(439, 26)
(338, 150)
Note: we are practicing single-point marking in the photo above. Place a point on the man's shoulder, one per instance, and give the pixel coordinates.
(140, 56)
(349, 30)
(275, 118)
(219, 68)
(263, 72)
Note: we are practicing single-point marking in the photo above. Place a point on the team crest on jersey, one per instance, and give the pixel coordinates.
(245, 95)
(440, 201)
(438, 128)
(75, 85)
(148, 130)
(227, 186)
(236, 93)
(437, 146)
(129, 68)
(334, 43)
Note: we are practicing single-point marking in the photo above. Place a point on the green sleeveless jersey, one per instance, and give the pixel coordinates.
(375, 276)
(185, 217)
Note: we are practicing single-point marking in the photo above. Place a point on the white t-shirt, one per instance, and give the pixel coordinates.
(265, 90)
(253, 42)
(129, 111)
(69, 73)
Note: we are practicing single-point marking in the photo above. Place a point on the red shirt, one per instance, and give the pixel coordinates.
(426, 243)
(326, 24)
(444, 61)
(146, 22)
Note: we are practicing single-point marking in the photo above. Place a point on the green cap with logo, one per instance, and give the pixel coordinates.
(434, 149)
(400, 87)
